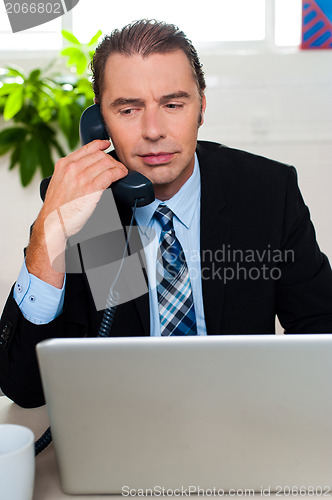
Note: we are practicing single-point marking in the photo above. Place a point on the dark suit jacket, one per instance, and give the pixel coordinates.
(259, 258)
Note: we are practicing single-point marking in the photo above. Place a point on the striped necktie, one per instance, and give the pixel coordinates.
(175, 298)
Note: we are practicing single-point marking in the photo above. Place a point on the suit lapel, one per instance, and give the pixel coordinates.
(215, 234)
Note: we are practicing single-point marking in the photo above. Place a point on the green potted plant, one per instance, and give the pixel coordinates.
(43, 109)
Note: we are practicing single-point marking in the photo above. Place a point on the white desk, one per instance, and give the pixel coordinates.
(47, 486)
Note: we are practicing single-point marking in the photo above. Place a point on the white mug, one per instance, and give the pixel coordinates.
(17, 462)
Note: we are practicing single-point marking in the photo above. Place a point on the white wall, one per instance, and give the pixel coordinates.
(277, 105)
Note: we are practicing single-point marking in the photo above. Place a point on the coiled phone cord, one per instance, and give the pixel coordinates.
(104, 329)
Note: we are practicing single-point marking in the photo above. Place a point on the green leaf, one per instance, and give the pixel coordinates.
(12, 135)
(69, 116)
(34, 75)
(15, 72)
(15, 156)
(81, 64)
(13, 104)
(29, 160)
(72, 52)
(64, 119)
(8, 88)
(44, 150)
(70, 37)
(84, 87)
(73, 136)
(58, 148)
(45, 113)
(47, 131)
(47, 165)
(95, 38)
(76, 58)
(4, 148)
(47, 92)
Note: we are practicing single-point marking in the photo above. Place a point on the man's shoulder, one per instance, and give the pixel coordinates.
(210, 151)
(238, 171)
(235, 164)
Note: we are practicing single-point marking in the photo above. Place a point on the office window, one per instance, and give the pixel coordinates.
(288, 21)
(226, 23)
(210, 21)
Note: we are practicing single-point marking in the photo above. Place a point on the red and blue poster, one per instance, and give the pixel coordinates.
(316, 24)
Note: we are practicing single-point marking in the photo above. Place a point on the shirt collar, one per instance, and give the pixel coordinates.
(182, 204)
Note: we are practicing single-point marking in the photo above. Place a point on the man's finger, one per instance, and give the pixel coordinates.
(87, 149)
(107, 177)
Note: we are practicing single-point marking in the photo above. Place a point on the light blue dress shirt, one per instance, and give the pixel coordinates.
(40, 302)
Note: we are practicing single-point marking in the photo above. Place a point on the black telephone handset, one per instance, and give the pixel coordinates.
(133, 189)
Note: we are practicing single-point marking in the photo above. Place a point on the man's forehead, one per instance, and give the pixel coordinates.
(156, 74)
(169, 65)
(154, 56)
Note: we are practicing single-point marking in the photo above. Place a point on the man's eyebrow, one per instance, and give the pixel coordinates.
(122, 101)
(135, 101)
(175, 95)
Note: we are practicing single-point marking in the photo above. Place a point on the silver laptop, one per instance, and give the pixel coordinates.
(190, 414)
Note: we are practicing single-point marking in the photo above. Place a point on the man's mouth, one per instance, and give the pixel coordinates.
(157, 158)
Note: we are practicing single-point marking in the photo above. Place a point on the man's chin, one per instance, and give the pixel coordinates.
(161, 180)
(158, 174)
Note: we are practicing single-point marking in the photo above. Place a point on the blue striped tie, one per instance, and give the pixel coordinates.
(175, 298)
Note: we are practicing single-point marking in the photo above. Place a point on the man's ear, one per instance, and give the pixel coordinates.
(203, 108)
(95, 100)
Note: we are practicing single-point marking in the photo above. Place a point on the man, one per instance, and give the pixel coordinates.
(239, 219)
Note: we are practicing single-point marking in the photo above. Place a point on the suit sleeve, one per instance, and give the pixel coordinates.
(304, 297)
(19, 373)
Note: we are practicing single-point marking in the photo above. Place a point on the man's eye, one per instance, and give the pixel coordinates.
(126, 111)
(173, 106)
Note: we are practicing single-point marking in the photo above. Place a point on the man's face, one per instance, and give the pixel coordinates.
(151, 107)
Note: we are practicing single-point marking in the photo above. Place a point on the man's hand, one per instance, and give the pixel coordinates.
(76, 186)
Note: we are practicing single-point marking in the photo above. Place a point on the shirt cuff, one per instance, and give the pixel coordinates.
(38, 301)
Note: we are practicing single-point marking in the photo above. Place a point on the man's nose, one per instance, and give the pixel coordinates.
(153, 125)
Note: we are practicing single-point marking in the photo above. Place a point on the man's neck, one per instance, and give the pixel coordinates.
(165, 192)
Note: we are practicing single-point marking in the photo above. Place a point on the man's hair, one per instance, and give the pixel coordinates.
(144, 37)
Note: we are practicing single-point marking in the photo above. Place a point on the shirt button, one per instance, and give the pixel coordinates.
(19, 288)
(32, 298)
